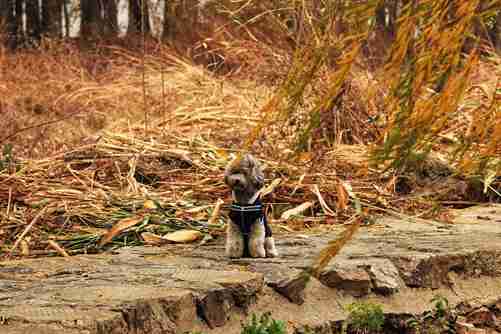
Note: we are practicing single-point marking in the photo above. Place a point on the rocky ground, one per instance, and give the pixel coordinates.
(399, 264)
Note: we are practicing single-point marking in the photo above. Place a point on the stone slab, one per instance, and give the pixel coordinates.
(173, 289)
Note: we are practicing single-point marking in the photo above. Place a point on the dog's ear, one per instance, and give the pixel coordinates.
(256, 172)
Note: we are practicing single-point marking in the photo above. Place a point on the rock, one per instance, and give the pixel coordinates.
(481, 317)
(183, 288)
(289, 283)
(215, 307)
(292, 288)
(384, 276)
(354, 280)
(242, 286)
(466, 328)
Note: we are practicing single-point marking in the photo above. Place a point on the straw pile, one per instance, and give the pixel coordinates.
(122, 190)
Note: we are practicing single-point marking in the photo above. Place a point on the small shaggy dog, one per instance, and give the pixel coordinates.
(248, 233)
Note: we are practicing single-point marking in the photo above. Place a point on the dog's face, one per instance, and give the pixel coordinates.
(244, 175)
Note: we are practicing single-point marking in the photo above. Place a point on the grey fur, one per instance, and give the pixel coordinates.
(245, 178)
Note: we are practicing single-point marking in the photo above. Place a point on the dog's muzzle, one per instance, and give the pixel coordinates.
(236, 181)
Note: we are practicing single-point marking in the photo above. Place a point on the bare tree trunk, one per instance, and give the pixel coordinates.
(386, 18)
(8, 22)
(138, 16)
(66, 14)
(169, 28)
(19, 20)
(33, 28)
(52, 17)
(4, 7)
(91, 18)
(110, 17)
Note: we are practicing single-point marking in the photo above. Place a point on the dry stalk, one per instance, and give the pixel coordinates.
(58, 248)
(27, 229)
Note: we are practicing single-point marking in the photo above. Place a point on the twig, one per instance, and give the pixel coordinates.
(26, 230)
(40, 125)
(215, 213)
(58, 248)
(9, 202)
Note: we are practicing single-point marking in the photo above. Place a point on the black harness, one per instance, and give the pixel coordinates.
(246, 215)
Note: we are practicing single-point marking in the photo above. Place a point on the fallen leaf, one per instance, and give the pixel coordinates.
(222, 153)
(149, 204)
(305, 157)
(119, 227)
(152, 239)
(297, 210)
(25, 249)
(183, 236)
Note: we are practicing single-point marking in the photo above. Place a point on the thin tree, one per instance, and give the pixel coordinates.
(8, 23)
(18, 8)
(110, 13)
(92, 23)
(33, 24)
(137, 23)
(52, 17)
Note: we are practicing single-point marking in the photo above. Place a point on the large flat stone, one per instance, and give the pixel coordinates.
(172, 289)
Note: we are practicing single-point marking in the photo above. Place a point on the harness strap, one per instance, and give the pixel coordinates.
(246, 215)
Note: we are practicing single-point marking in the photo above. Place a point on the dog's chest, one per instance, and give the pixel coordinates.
(245, 216)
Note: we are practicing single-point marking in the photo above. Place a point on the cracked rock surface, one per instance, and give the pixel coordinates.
(173, 289)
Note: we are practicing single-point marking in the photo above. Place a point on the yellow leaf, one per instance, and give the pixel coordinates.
(25, 249)
(149, 204)
(183, 236)
(152, 239)
(119, 227)
(222, 153)
(305, 157)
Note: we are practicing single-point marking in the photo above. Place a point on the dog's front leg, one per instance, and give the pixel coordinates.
(234, 241)
(256, 240)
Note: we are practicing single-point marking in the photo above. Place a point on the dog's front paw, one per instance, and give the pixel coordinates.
(269, 246)
(234, 251)
(256, 242)
(256, 248)
(234, 242)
